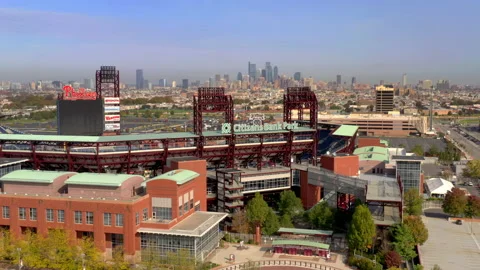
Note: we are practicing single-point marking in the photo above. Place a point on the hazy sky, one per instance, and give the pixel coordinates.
(196, 39)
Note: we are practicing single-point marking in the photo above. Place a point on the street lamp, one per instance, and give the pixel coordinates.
(20, 262)
(83, 261)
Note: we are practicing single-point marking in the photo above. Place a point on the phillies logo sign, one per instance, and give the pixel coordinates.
(70, 93)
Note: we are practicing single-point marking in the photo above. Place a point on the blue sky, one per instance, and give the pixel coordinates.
(196, 39)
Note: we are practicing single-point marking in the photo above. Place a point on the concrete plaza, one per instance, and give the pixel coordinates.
(449, 245)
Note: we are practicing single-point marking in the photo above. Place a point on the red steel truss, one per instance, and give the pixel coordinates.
(301, 99)
(107, 82)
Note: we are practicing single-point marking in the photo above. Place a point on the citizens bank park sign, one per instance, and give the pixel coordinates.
(227, 127)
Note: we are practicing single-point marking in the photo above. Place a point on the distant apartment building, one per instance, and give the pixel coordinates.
(384, 98)
(297, 76)
(185, 83)
(443, 85)
(162, 82)
(339, 80)
(139, 79)
(404, 79)
(427, 84)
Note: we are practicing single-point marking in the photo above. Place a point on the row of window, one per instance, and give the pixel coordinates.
(78, 216)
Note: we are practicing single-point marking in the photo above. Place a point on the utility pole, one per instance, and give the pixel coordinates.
(431, 108)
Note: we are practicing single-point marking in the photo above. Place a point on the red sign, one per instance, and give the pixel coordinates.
(71, 94)
(112, 100)
(112, 118)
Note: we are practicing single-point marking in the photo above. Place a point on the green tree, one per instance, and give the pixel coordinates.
(436, 267)
(362, 229)
(413, 202)
(172, 112)
(7, 245)
(286, 222)
(472, 169)
(240, 222)
(290, 204)
(118, 261)
(472, 208)
(433, 151)
(321, 216)
(418, 150)
(455, 202)
(271, 224)
(418, 229)
(158, 114)
(257, 210)
(403, 241)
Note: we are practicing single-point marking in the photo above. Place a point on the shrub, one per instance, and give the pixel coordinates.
(392, 259)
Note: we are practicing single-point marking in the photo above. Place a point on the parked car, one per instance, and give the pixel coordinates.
(459, 222)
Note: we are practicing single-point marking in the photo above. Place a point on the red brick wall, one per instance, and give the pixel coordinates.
(367, 166)
(343, 165)
(363, 141)
(309, 194)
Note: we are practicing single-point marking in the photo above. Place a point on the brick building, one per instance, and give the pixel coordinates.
(165, 213)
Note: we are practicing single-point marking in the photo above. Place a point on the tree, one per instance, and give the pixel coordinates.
(118, 261)
(455, 202)
(393, 259)
(271, 224)
(286, 221)
(240, 222)
(472, 208)
(321, 216)
(433, 151)
(362, 229)
(418, 150)
(290, 204)
(413, 202)
(436, 267)
(7, 245)
(418, 229)
(257, 210)
(472, 170)
(403, 241)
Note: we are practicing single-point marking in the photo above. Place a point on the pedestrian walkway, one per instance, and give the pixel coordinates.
(251, 253)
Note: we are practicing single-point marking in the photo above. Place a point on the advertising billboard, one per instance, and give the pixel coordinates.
(111, 100)
(80, 117)
(112, 118)
(112, 109)
(111, 127)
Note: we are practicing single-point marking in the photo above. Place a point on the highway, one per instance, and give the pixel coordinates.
(471, 148)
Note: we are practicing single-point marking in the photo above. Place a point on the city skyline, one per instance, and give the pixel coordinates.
(224, 38)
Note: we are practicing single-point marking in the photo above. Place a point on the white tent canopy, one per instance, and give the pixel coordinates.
(438, 187)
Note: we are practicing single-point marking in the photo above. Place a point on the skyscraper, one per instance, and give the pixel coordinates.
(239, 76)
(264, 73)
(185, 83)
(354, 81)
(211, 82)
(384, 98)
(140, 79)
(252, 71)
(339, 79)
(88, 83)
(404, 79)
(162, 82)
(268, 72)
(297, 76)
(275, 73)
(226, 77)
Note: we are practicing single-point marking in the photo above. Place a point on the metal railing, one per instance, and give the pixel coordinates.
(274, 263)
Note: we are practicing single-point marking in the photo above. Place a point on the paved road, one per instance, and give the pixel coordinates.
(471, 148)
(449, 245)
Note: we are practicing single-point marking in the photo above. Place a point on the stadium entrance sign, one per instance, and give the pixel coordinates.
(71, 94)
(227, 127)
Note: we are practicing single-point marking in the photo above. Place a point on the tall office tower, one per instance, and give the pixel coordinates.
(404, 79)
(185, 83)
(258, 74)
(162, 82)
(88, 83)
(211, 82)
(382, 82)
(174, 84)
(443, 85)
(252, 71)
(384, 98)
(145, 84)
(217, 79)
(427, 84)
(275, 73)
(149, 85)
(264, 74)
(239, 76)
(297, 76)
(339, 80)
(226, 77)
(140, 79)
(268, 72)
(354, 81)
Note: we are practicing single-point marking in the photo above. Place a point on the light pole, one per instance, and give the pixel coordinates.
(83, 261)
(20, 262)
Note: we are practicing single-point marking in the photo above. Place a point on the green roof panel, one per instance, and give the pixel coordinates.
(346, 131)
(179, 176)
(30, 176)
(284, 242)
(99, 179)
(304, 231)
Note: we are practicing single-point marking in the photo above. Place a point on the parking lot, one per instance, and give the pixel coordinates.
(449, 245)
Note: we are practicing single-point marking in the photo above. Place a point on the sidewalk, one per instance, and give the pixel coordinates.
(258, 253)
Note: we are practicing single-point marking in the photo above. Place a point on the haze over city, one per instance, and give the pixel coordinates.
(372, 40)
